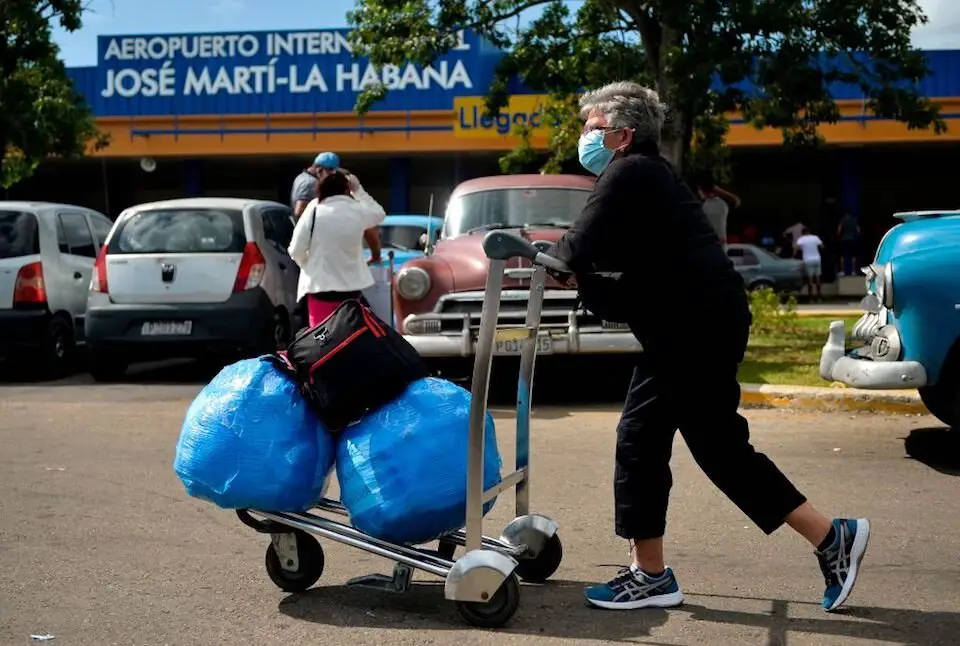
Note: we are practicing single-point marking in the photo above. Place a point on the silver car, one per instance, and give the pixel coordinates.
(194, 277)
(760, 268)
(46, 259)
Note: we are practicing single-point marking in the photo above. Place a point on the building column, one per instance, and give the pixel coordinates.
(399, 174)
(193, 177)
(851, 174)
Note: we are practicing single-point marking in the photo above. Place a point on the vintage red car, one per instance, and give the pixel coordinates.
(437, 298)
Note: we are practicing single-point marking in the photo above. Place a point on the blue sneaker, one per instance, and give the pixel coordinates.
(632, 589)
(840, 563)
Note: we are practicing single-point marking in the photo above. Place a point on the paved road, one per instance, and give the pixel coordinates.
(99, 544)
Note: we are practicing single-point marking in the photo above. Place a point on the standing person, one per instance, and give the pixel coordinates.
(304, 186)
(327, 244)
(793, 233)
(716, 204)
(809, 247)
(639, 196)
(848, 233)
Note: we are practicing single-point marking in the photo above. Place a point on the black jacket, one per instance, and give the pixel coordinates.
(646, 229)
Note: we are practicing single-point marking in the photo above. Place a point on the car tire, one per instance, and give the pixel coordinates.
(58, 349)
(105, 366)
(942, 399)
(760, 284)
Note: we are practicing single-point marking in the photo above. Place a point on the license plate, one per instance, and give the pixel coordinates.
(166, 328)
(514, 346)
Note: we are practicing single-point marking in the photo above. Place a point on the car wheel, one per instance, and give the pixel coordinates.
(760, 284)
(942, 399)
(105, 366)
(58, 349)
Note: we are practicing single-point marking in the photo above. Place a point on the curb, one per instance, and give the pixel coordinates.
(837, 313)
(906, 402)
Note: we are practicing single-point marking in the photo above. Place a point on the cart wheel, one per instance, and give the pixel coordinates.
(311, 561)
(541, 568)
(496, 612)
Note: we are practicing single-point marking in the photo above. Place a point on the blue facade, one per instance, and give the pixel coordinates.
(943, 80)
(294, 72)
(311, 72)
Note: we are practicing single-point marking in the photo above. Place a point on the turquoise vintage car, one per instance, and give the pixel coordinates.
(911, 329)
(406, 236)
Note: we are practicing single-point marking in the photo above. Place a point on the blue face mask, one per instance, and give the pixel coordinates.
(594, 156)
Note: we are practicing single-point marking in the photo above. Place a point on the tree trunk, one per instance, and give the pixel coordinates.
(674, 142)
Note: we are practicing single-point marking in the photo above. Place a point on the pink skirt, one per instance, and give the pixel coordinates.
(319, 310)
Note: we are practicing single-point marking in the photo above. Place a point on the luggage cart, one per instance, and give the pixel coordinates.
(484, 582)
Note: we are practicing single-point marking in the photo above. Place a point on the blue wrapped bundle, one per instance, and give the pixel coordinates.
(403, 468)
(249, 440)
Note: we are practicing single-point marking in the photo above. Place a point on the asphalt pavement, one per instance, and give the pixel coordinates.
(100, 545)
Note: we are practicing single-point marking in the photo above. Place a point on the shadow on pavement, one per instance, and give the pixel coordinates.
(556, 609)
(888, 625)
(172, 371)
(937, 448)
(557, 385)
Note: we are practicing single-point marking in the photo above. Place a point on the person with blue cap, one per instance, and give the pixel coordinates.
(305, 185)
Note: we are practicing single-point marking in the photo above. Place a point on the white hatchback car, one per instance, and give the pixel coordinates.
(46, 260)
(194, 277)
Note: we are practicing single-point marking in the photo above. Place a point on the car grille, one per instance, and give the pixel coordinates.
(514, 311)
(866, 327)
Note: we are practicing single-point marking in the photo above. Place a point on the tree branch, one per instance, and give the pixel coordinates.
(648, 28)
(512, 13)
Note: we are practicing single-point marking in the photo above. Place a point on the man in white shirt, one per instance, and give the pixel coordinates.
(809, 246)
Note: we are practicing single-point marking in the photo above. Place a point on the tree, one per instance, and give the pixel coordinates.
(41, 114)
(772, 60)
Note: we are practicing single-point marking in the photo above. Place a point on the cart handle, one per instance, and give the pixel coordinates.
(501, 245)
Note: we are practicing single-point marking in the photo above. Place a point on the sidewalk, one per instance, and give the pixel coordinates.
(832, 399)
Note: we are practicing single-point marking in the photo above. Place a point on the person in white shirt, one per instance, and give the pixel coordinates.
(809, 246)
(327, 244)
(716, 205)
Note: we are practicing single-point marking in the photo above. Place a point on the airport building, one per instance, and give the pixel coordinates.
(241, 114)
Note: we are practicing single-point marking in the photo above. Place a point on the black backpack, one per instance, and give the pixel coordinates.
(350, 363)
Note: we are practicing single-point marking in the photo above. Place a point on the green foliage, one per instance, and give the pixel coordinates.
(678, 48)
(770, 314)
(41, 115)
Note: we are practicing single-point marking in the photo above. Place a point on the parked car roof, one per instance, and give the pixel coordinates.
(27, 205)
(205, 203)
(525, 181)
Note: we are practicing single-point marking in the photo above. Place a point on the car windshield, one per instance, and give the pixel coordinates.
(181, 231)
(503, 208)
(405, 237)
(18, 234)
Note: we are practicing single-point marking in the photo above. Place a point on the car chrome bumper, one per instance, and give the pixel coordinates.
(837, 365)
(573, 340)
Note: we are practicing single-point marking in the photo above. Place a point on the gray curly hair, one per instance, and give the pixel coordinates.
(626, 104)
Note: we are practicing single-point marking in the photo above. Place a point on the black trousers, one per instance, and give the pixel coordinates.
(687, 380)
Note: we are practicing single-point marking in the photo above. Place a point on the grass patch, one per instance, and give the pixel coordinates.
(788, 356)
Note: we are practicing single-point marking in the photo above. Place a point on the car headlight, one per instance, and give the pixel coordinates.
(884, 285)
(413, 283)
(879, 280)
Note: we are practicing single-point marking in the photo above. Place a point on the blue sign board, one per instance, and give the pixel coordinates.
(313, 72)
(270, 72)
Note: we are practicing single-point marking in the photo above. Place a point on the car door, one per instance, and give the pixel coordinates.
(284, 224)
(78, 251)
(746, 262)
